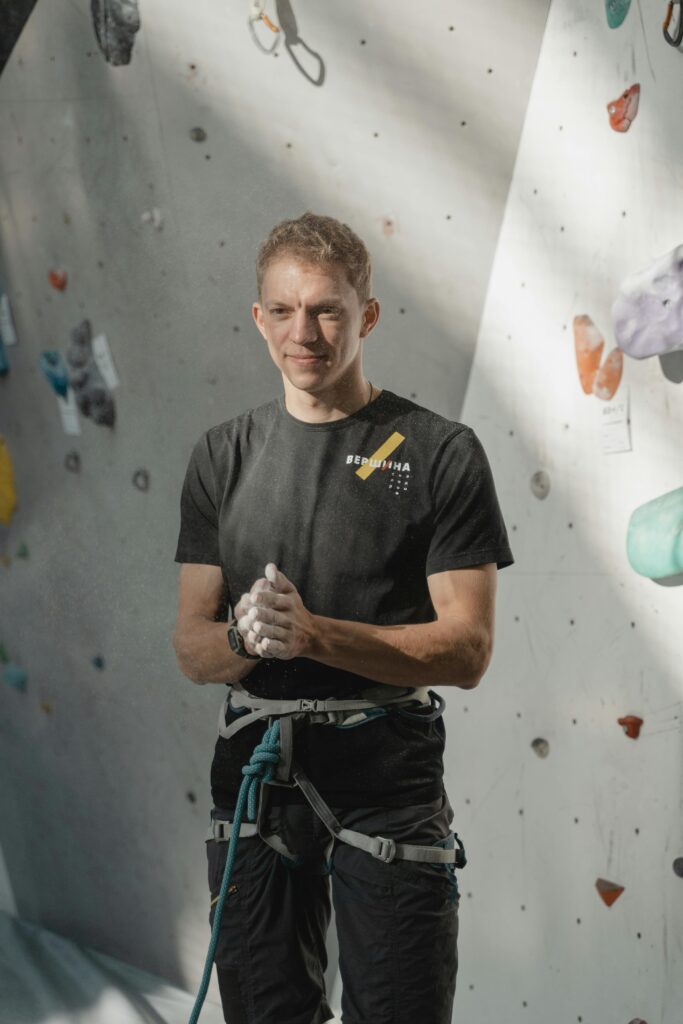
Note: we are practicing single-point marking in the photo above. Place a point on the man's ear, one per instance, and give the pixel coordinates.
(257, 313)
(370, 317)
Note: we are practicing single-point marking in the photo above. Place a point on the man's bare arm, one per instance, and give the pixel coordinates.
(201, 643)
(453, 651)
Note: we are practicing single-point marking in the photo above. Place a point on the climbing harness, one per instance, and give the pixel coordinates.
(272, 763)
(676, 39)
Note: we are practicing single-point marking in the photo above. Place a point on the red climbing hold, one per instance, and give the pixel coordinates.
(609, 891)
(631, 724)
(58, 279)
(622, 112)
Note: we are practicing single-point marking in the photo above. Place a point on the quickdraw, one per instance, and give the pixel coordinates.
(676, 39)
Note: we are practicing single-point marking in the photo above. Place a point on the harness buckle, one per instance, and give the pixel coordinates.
(386, 851)
(308, 705)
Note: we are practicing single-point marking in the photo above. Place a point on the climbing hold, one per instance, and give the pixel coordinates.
(98, 661)
(541, 747)
(608, 377)
(8, 496)
(609, 891)
(22, 551)
(637, 1020)
(153, 216)
(588, 345)
(654, 540)
(678, 867)
(631, 725)
(52, 365)
(8, 334)
(91, 392)
(197, 134)
(601, 381)
(4, 363)
(3, 655)
(47, 707)
(72, 461)
(191, 797)
(14, 676)
(622, 112)
(616, 11)
(58, 279)
(648, 312)
(115, 23)
(141, 479)
(540, 484)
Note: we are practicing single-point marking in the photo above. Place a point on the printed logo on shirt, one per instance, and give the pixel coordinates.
(400, 471)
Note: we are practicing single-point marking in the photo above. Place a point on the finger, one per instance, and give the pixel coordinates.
(278, 579)
(270, 630)
(272, 599)
(273, 647)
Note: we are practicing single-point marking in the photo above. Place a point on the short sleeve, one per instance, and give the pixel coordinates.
(198, 537)
(467, 520)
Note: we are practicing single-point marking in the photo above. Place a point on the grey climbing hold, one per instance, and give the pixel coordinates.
(92, 395)
(52, 365)
(678, 866)
(115, 23)
(540, 484)
(14, 676)
(541, 747)
(198, 135)
(141, 479)
(72, 462)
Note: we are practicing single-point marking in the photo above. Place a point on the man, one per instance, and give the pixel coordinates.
(356, 535)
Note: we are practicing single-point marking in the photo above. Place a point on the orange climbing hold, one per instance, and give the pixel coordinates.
(608, 377)
(58, 279)
(631, 725)
(609, 891)
(622, 112)
(588, 344)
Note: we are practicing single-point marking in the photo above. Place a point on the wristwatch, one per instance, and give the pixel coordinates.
(236, 641)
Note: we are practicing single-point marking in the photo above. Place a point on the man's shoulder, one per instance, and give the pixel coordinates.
(240, 425)
(419, 418)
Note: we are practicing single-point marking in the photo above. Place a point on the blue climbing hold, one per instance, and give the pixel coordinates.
(14, 676)
(616, 12)
(654, 542)
(52, 365)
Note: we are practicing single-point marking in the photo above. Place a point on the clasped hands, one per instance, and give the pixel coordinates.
(272, 618)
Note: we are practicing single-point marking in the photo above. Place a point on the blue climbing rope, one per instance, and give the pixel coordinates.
(261, 768)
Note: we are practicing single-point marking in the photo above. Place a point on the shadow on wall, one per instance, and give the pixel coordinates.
(157, 930)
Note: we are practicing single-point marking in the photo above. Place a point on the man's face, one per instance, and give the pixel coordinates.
(312, 320)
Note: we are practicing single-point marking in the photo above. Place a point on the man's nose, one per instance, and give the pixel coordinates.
(304, 328)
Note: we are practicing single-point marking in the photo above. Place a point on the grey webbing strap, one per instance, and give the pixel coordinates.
(222, 830)
(381, 848)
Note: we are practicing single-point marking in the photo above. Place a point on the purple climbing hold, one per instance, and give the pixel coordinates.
(115, 23)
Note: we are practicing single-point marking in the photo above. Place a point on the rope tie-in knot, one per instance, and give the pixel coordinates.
(261, 767)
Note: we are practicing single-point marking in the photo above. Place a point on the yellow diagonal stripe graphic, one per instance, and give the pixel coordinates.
(389, 446)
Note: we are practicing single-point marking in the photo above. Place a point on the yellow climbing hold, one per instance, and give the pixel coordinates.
(8, 496)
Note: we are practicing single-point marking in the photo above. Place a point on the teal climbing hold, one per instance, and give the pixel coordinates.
(52, 365)
(654, 540)
(4, 364)
(98, 661)
(616, 12)
(14, 676)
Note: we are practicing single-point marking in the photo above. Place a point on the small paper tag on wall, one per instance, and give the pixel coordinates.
(68, 410)
(615, 424)
(7, 331)
(105, 364)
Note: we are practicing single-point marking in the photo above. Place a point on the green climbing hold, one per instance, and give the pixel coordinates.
(3, 655)
(654, 540)
(14, 676)
(22, 551)
(616, 12)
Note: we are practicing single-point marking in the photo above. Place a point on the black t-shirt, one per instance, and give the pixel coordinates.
(357, 513)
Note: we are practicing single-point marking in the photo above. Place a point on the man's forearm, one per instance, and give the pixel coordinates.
(204, 654)
(422, 654)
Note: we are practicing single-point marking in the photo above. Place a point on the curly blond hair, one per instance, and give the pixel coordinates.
(314, 238)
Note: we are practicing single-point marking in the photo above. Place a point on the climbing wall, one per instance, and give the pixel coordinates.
(572, 906)
(145, 151)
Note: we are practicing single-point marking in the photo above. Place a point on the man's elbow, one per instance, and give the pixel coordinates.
(182, 661)
(482, 660)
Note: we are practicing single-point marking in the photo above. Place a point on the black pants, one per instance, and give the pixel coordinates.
(397, 922)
